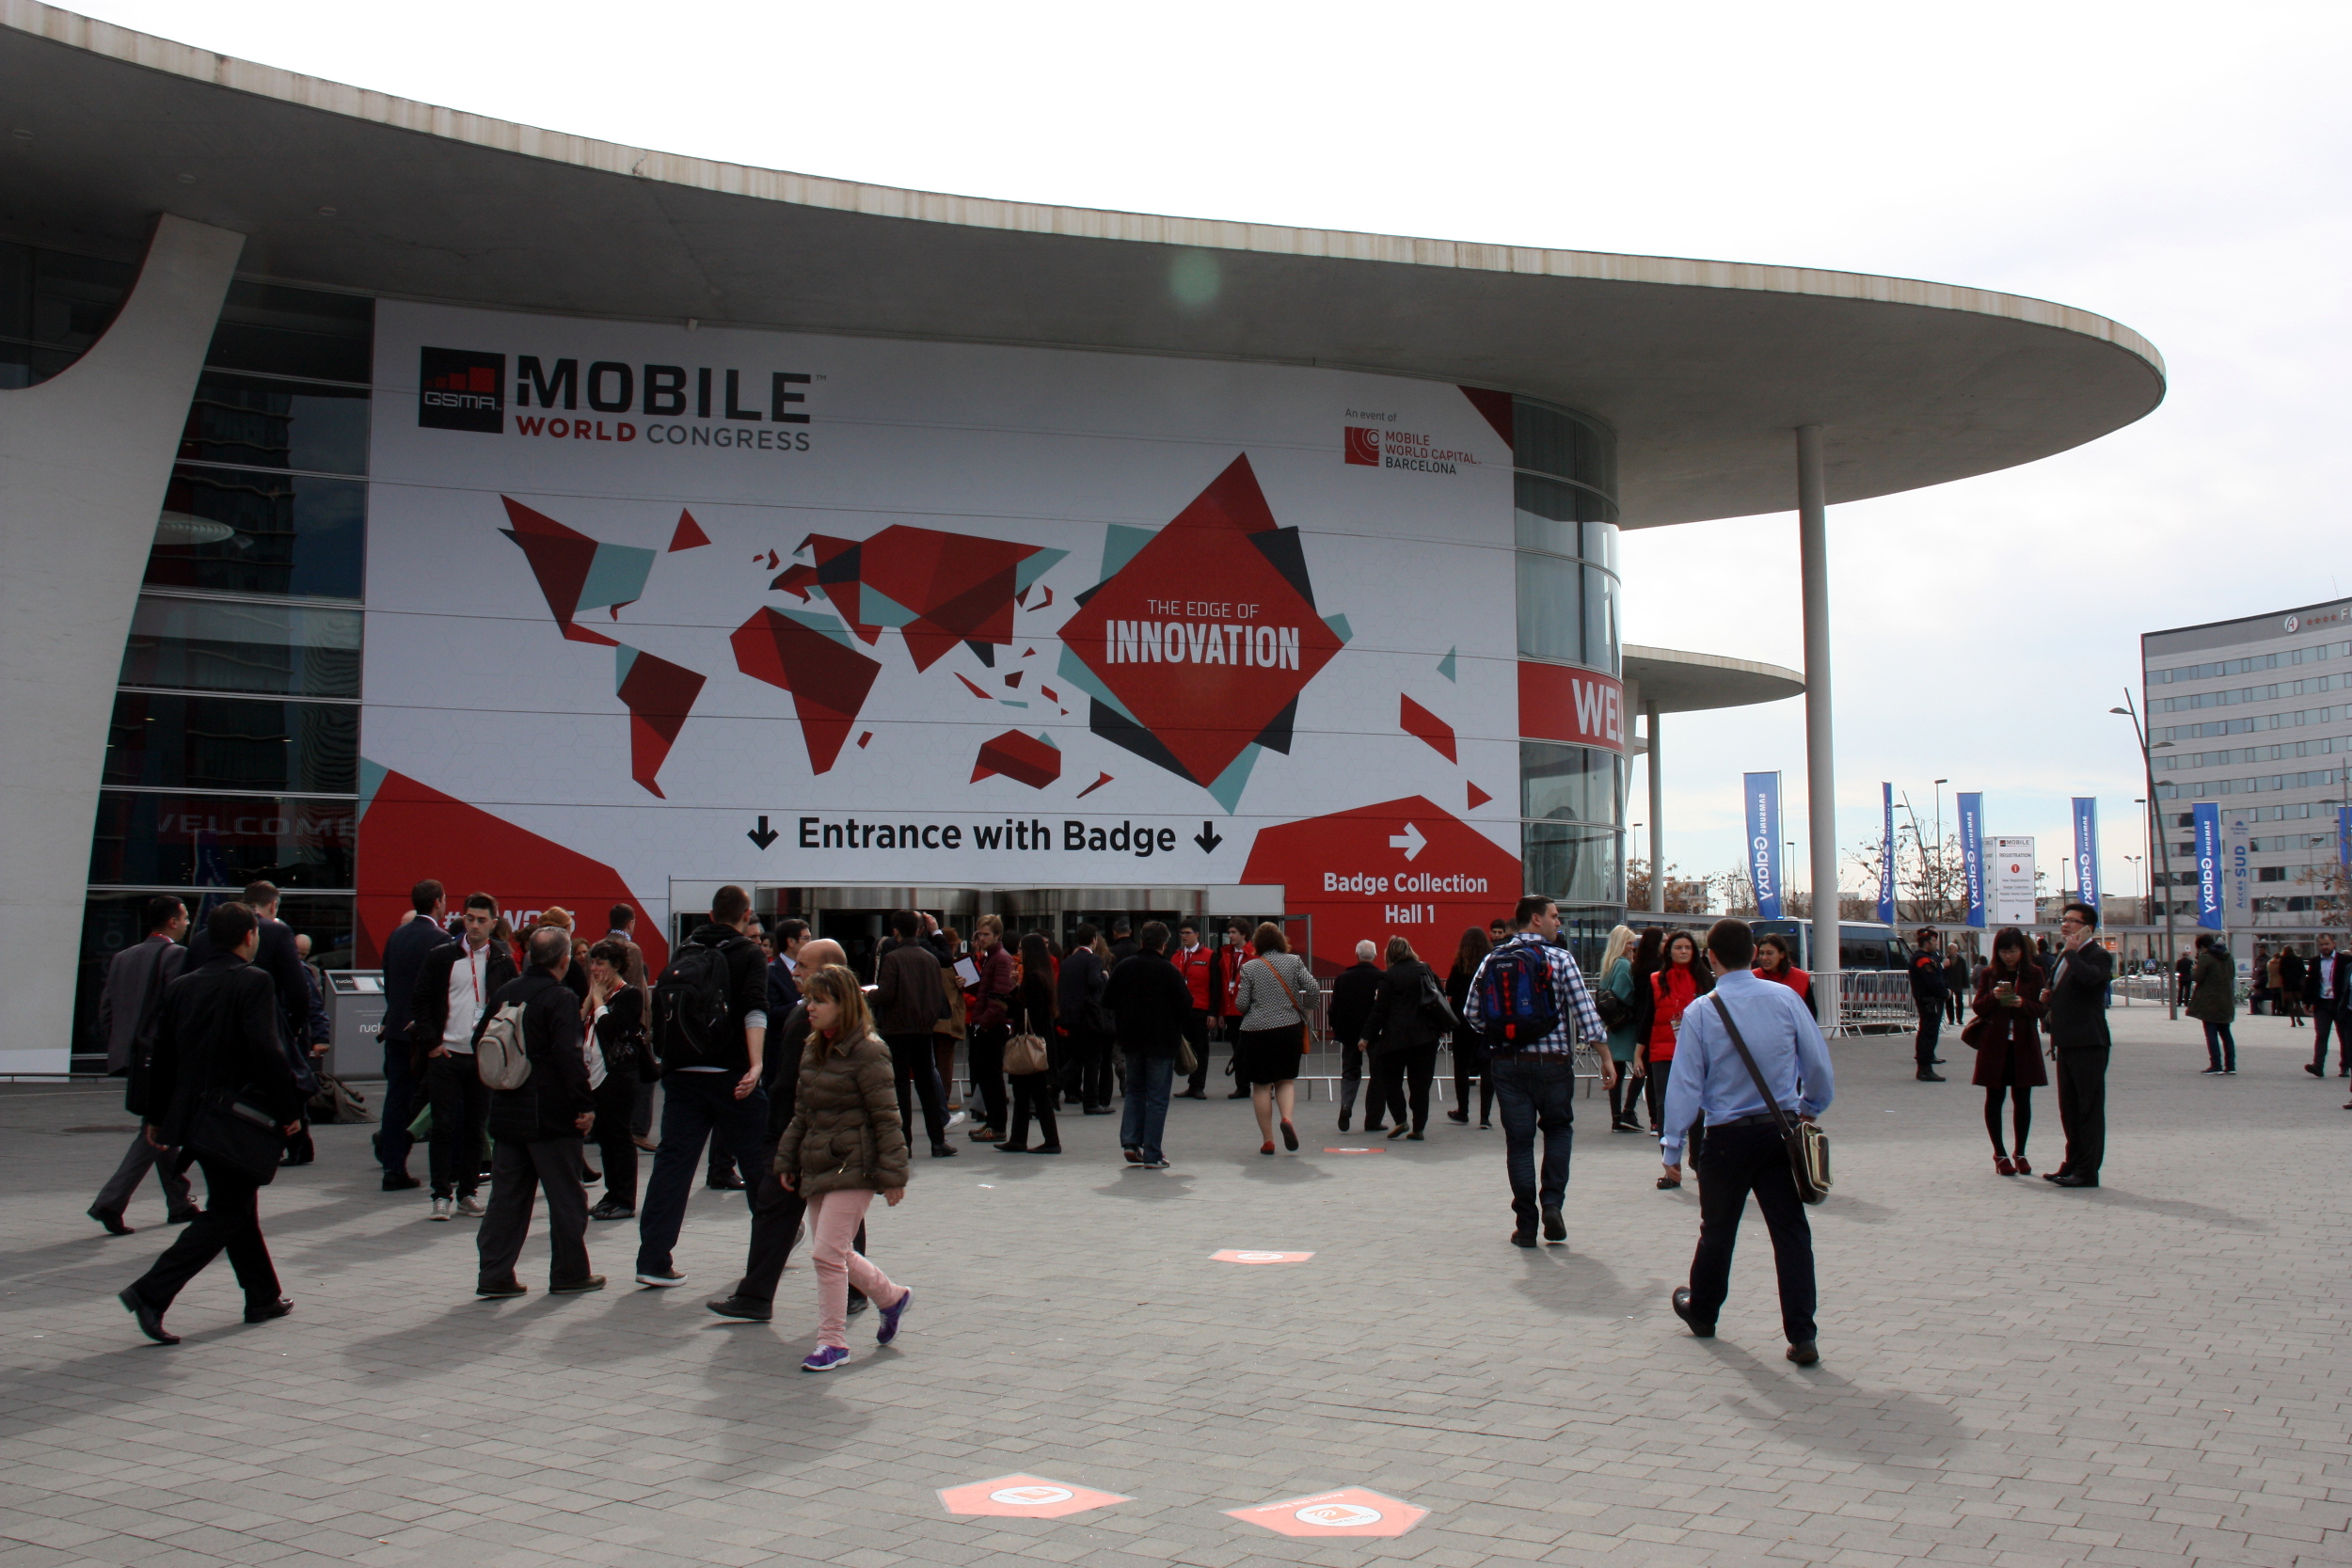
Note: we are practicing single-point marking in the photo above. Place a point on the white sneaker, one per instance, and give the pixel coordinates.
(442, 1208)
(471, 1208)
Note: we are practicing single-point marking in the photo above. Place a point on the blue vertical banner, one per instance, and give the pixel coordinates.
(2344, 839)
(2087, 851)
(2208, 840)
(1886, 855)
(1972, 855)
(1761, 809)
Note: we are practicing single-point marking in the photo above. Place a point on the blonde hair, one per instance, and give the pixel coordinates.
(993, 925)
(833, 983)
(556, 915)
(1621, 940)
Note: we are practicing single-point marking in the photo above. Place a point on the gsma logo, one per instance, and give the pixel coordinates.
(458, 388)
(1362, 445)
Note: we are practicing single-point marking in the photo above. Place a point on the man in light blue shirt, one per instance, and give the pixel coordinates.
(1745, 1151)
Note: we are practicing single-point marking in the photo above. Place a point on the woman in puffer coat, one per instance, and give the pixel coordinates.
(844, 1144)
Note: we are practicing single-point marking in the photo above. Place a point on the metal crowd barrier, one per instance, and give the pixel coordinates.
(1874, 999)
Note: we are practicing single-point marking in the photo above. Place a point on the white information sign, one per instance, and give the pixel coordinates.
(2013, 881)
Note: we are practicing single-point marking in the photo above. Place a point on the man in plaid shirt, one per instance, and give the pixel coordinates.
(1536, 1080)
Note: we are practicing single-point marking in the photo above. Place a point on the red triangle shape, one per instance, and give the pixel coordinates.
(690, 534)
(1478, 797)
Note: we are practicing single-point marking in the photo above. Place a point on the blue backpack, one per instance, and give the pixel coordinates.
(1516, 997)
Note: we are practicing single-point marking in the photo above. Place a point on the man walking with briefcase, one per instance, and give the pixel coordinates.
(219, 1090)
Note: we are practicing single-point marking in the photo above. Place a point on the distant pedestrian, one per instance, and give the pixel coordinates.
(2183, 977)
(906, 1004)
(1353, 991)
(2213, 1002)
(1680, 980)
(1079, 1018)
(948, 1035)
(218, 1037)
(986, 1001)
(2075, 1000)
(537, 1129)
(1277, 1000)
(1402, 1038)
(2289, 964)
(404, 1090)
(2008, 1040)
(1149, 1003)
(1745, 1152)
(130, 1005)
(1927, 993)
(624, 1053)
(1955, 985)
(1649, 954)
(1616, 979)
(1197, 963)
(454, 984)
(1530, 1001)
(2325, 992)
(1033, 1008)
(1469, 1048)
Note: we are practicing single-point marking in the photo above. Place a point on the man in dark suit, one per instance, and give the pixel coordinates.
(405, 953)
(1927, 993)
(537, 1129)
(128, 1008)
(218, 1030)
(2076, 1000)
(1353, 991)
(282, 963)
(2323, 983)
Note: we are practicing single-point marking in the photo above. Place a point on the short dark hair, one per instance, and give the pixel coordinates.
(903, 924)
(482, 901)
(1154, 936)
(229, 926)
(622, 916)
(425, 896)
(1529, 908)
(729, 905)
(1120, 927)
(611, 952)
(787, 929)
(2090, 917)
(549, 946)
(1733, 942)
(1086, 933)
(159, 910)
(260, 895)
(1192, 925)
(1269, 938)
(1927, 934)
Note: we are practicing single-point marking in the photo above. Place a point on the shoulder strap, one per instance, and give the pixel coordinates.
(1270, 969)
(1780, 1117)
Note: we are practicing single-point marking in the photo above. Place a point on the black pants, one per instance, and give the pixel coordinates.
(987, 1064)
(616, 1146)
(776, 1216)
(518, 1172)
(461, 1118)
(1196, 1032)
(1930, 1022)
(1033, 1095)
(2323, 1019)
(2021, 1117)
(1351, 1080)
(1739, 1160)
(1624, 1096)
(1654, 1085)
(2082, 1086)
(917, 1072)
(230, 1223)
(392, 1142)
(2220, 1047)
(1399, 1078)
(1469, 1061)
(137, 1160)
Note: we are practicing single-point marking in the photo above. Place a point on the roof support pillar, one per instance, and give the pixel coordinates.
(1819, 733)
(1657, 814)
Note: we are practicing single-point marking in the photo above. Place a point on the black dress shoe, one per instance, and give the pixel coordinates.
(2070, 1180)
(858, 1304)
(1098, 1110)
(1046, 1148)
(1346, 1116)
(2315, 1071)
(727, 1184)
(1242, 1093)
(1680, 1301)
(268, 1310)
(1930, 1078)
(502, 1290)
(589, 1174)
(749, 1309)
(112, 1220)
(1009, 1148)
(150, 1318)
(1457, 1117)
(1806, 1355)
(1523, 1238)
(613, 1209)
(181, 1216)
(942, 1151)
(400, 1181)
(1555, 1226)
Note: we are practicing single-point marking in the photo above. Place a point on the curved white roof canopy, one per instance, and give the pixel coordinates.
(1702, 366)
(1678, 682)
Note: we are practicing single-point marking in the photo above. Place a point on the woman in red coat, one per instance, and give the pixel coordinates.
(1773, 963)
(2007, 1034)
(1679, 981)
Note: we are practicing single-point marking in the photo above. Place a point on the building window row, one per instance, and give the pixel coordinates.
(2319, 748)
(2311, 654)
(2271, 692)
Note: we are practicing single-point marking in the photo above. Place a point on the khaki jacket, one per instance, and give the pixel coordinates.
(845, 1132)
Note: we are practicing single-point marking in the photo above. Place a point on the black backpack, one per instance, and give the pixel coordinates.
(690, 1007)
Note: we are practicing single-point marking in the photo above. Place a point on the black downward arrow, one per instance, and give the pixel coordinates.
(763, 835)
(1207, 839)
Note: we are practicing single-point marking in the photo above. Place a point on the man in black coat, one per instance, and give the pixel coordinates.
(1927, 993)
(2325, 980)
(128, 1008)
(2076, 998)
(452, 995)
(538, 1128)
(1352, 994)
(218, 1031)
(405, 953)
(1149, 1005)
(907, 1001)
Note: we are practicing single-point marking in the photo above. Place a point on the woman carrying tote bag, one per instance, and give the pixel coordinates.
(1277, 998)
(1032, 1011)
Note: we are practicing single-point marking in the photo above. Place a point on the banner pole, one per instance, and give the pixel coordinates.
(1819, 733)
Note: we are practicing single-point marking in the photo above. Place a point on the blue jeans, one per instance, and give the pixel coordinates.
(1145, 1117)
(694, 1107)
(2220, 1047)
(1533, 1092)
(392, 1142)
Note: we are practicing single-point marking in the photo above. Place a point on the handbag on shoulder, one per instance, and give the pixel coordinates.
(1807, 1145)
(1026, 1053)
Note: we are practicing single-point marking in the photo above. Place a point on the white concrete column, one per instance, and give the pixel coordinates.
(1657, 814)
(84, 460)
(1819, 733)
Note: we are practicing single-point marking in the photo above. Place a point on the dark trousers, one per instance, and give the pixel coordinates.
(641, 1113)
(1144, 1120)
(1400, 1078)
(392, 1142)
(2323, 1019)
(776, 1216)
(616, 1099)
(1654, 1085)
(2220, 1047)
(1033, 1095)
(461, 1118)
(1535, 1094)
(911, 1060)
(1068, 1048)
(987, 1060)
(1351, 1080)
(1469, 1061)
(1197, 1034)
(2082, 1086)
(518, 1172)
(230, 1223)
(136, 1160)
(1623, 1095)
(1931, 1021)
(1089, 1079)
(695, 1108)
(944, 1058)
(1739, 1160)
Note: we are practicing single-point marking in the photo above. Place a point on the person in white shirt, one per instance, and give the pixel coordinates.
(453, 986)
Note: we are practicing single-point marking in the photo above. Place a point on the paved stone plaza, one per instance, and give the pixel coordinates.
(2156, 1372)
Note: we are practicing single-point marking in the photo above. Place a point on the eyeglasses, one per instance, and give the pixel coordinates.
(2070, 920)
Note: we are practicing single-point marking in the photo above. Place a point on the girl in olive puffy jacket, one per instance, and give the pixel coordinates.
(844, 1144)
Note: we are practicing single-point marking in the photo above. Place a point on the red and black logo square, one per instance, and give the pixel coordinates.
(1364, 444)
(461, 389)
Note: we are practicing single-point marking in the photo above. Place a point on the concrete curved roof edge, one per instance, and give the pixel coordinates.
(1679, 681)
(181, 59)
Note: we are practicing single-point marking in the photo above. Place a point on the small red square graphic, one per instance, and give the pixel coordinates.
(1351, 1511)
(1017, 1497)
(1364, 444)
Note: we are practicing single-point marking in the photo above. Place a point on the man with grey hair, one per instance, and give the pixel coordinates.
(536, 1129)
(1353, 992)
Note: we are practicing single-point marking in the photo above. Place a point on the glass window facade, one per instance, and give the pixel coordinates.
(1564, 529)
(233, 754)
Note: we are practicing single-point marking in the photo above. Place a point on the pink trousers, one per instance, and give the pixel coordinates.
(833, 1222)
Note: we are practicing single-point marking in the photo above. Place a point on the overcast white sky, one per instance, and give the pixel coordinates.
(2181, 168)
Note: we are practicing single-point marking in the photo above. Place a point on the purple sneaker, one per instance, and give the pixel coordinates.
(825, 1358)
(888, 1329)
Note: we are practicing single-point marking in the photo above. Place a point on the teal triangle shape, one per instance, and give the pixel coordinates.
(616, 575)
(1445, 665)
(877, 608)
(1119, 544)
(624, 659)
(370, 779)
(1340, 628)
(1047, 738)
(1226, 790)
(831, 627)
(1035, 567)
(1073, 670)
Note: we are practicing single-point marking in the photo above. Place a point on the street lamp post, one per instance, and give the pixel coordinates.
(1940, 911)
(2163, 850)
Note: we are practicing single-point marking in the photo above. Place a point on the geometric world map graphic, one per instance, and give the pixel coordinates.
(938, 589)
(576, 572)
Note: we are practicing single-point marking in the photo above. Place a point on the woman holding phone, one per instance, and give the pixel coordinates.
(2007, 1034)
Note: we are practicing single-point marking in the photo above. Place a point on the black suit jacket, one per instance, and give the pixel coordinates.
(277, 959)
(2078, 998)
(2342, 963)
(219, 1031)
(428, 1000)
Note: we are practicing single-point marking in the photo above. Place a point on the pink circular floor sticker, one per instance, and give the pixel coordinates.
(1234, 1255)
(1014, 1496)
(1354, 1511)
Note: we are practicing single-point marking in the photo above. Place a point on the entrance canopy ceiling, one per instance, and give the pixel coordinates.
(1703, 367)
(1678, 682)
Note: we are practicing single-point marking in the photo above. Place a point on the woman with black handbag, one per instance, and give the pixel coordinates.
(1401, 1038)
(1028, 1063)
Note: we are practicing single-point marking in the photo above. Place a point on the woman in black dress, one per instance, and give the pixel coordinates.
(2007, 1034)
(1277, 1004)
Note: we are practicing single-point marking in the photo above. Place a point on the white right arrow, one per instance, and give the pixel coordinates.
(1409, 841)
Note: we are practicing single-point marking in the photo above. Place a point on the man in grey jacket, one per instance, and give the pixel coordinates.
(128, 1007)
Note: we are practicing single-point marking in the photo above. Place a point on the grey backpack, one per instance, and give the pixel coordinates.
(499, 1055)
